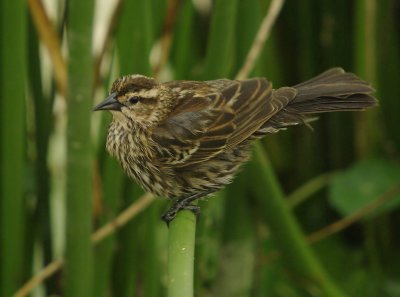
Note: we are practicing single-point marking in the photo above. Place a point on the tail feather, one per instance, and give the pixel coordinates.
(351, 102)
(332, 90)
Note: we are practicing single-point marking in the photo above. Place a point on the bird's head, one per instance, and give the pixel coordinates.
(138, 99)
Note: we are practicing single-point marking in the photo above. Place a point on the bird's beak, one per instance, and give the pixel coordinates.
(110, 103)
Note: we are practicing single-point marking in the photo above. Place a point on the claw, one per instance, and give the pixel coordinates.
(183, 203)
(177, 207)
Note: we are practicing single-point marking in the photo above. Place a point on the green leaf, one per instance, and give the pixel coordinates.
(363, 183)
(220, 48)
(13, 70)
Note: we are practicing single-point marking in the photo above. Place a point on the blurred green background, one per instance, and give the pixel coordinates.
(58, 185)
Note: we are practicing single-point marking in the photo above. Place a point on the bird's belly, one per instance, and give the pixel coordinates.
(150, 177)
(211, 175)
(174, 181)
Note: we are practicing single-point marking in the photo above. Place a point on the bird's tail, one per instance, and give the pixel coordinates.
(332, 90)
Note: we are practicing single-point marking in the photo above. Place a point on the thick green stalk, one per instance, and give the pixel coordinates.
(365, 58)
(220, 48)
(78, 264)
(185, 45)
(285, 229)
(388, 39)
(181, 243)
(12, 146)
(365, 39)
(135, 36)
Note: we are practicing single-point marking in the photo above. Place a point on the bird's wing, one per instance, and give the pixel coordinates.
(206, 124)
(253, 102)
(194, 132)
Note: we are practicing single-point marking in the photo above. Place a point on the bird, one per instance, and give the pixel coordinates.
(185, 140)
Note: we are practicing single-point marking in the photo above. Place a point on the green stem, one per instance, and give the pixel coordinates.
(286, 230)
(78, 258)
(306, 190)
(12, 144)
(181, 243)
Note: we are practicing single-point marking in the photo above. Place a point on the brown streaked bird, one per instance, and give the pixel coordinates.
(186, 139)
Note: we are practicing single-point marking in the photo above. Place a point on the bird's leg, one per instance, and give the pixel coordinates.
(183, 203)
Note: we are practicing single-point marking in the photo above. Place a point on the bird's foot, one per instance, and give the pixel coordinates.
(182, 204)
(177, 207)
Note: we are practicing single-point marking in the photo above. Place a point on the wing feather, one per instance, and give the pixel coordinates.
(204, 125)
(250, 104)
(199, 131)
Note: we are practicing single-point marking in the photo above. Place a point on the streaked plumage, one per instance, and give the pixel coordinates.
(183, 139)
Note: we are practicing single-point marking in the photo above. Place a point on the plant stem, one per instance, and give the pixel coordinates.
(78, 258)
(286, 230)
(13, 171)
(181, 243)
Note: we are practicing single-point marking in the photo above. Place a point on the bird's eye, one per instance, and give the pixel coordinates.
(134, 99)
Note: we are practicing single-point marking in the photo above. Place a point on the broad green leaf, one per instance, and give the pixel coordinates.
(363, 183)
